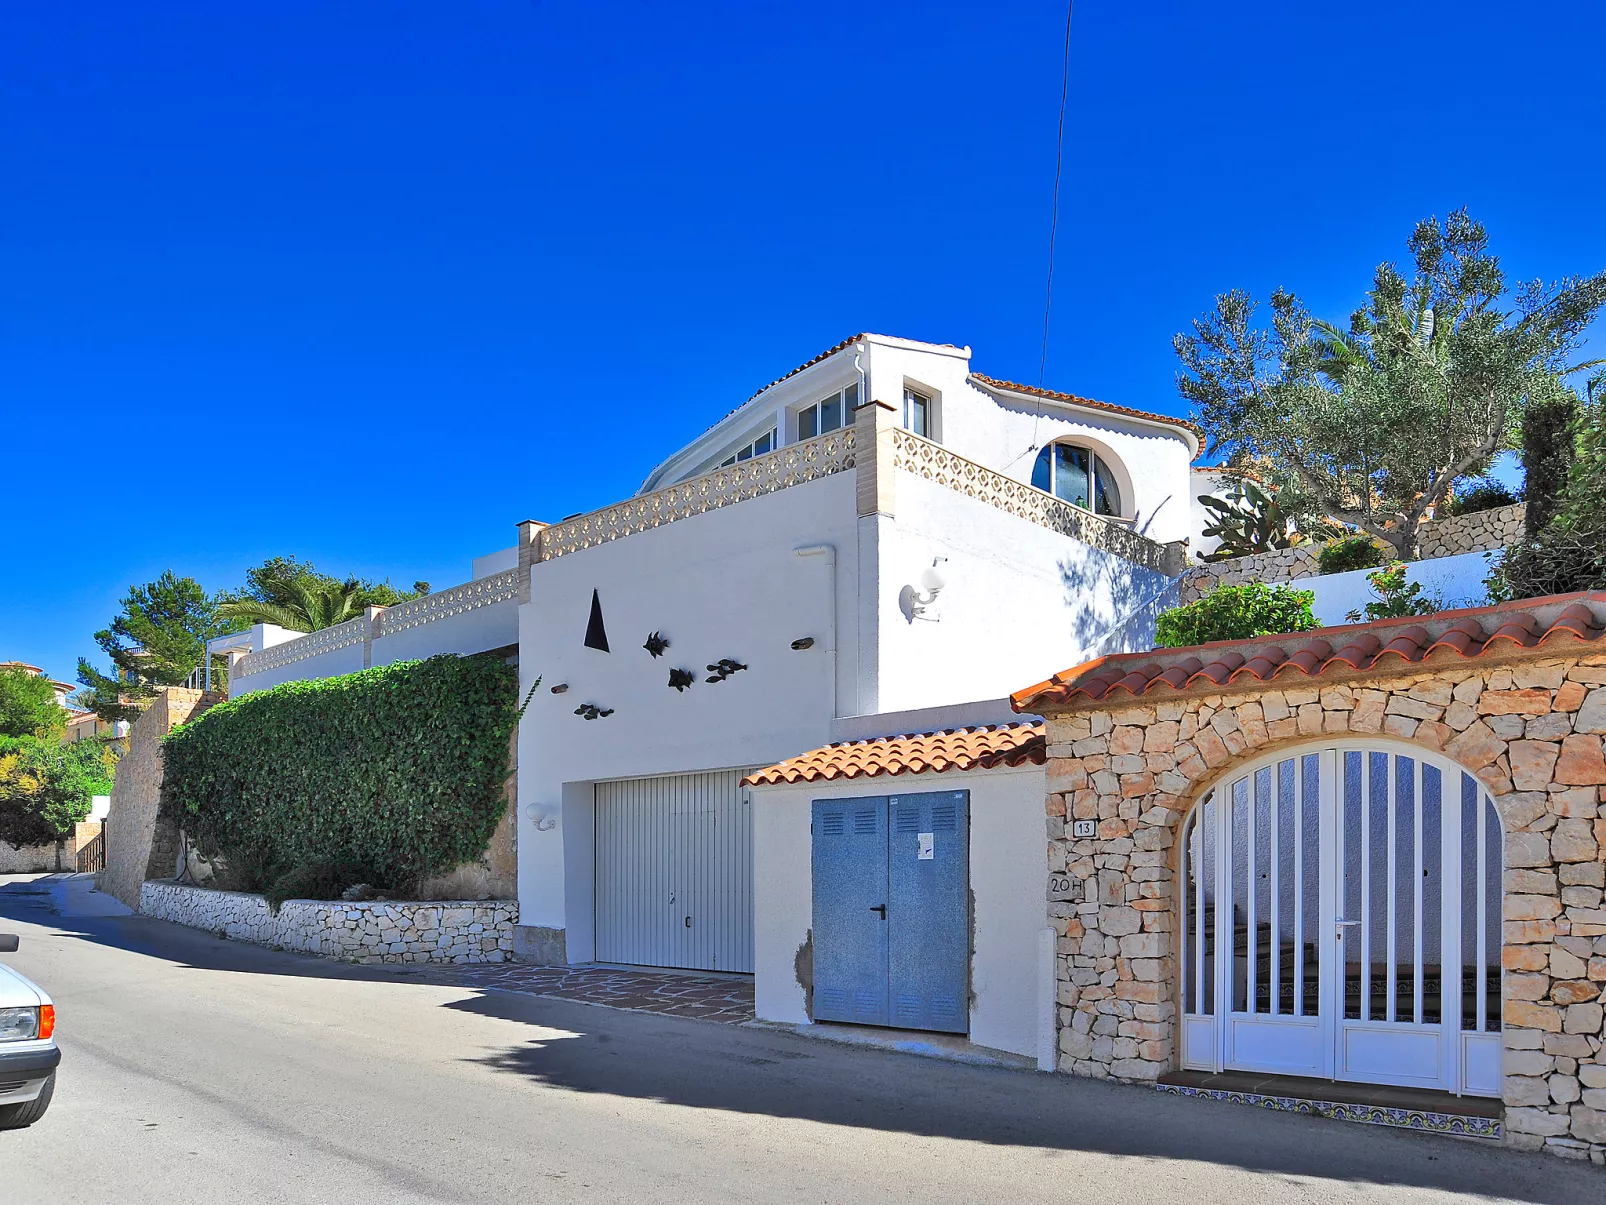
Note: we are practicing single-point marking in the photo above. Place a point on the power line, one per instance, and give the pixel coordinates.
(1054, 222)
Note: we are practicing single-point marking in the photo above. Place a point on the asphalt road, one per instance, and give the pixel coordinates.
(199, 1069)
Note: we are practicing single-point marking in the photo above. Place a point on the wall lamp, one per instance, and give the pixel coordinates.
(545, 818)
(918, 602)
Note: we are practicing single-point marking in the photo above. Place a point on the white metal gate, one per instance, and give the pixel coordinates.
(674, 872)
(1353, 893)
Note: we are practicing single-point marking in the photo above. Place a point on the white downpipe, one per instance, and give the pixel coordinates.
(827, 553)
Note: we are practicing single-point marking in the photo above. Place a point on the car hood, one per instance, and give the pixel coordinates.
(18, 991)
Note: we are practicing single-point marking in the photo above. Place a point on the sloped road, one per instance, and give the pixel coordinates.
(197, 1069)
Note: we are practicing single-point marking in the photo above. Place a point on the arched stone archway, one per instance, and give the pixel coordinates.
(1124, 774)
(1339, 916)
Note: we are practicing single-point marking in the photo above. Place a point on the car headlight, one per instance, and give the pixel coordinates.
(19, 1024)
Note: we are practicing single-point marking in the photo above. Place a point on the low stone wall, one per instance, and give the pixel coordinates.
(33, 857)
(1479, 532)
(1283, 565)
(371, 931)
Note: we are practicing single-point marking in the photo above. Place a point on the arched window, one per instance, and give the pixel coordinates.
(1077, 475)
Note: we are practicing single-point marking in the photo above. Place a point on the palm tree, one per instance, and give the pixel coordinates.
(312, 605)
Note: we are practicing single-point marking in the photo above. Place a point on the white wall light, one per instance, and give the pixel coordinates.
(545, 818)
(919, 602)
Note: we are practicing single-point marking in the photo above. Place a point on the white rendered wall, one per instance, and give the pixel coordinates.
(347, 660)
(1021, 600)
(1008, 878)
(1458, 580)
(495, 562)
(476, 631)
(727, 583)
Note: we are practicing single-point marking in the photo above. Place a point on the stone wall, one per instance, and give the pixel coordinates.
(370, 931)
(1477, 532)
(137, 847)
(1531, 730)
(1451, 536)
(34, 857)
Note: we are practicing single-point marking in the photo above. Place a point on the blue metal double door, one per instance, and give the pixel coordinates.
(891, 879)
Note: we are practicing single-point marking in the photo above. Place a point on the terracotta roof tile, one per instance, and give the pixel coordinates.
(1530, 624)
(1054, 395)
(919, 753)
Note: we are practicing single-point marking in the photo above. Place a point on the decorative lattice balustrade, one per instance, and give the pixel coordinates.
(793, 465)
(923, 458)
(459, 600)
(314, 644)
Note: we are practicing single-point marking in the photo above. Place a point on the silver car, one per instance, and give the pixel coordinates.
(28, 1052)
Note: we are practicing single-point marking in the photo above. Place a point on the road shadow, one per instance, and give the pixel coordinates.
(786, 1076)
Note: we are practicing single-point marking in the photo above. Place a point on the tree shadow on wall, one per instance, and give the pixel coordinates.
(1135, 597)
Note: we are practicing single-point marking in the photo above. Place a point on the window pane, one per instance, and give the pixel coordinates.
(1106, 497)
(763, 443)
(808, 423)
(1041, 477)
(915, 412)
(746, 453)
(831, 414)
(851, 397)
(1071, 475)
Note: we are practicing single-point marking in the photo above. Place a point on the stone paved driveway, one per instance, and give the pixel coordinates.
(727, 999)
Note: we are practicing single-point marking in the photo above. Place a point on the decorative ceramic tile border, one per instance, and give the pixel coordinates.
(483, 592)
(325, 640)
(791, 465)
(1378, 1115)
(915, 454)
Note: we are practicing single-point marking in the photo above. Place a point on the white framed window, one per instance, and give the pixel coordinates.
(1077, 475)
(917, 412)
(764, 443)
(828, 414)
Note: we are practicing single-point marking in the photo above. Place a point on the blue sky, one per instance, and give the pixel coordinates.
(369, 283)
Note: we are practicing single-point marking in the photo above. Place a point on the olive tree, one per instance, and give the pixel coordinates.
(1427, 382)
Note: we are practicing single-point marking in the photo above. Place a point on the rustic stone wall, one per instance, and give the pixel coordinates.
(137, 846)
(1451, 536)
(1476, 532)
(370, 931)
(34, 857)
(1531, 730)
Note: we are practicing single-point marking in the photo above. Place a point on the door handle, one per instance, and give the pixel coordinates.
(881, 908)
(1341, 925)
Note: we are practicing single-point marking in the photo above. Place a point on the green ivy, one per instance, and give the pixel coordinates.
(1237, 613)
(383, 777)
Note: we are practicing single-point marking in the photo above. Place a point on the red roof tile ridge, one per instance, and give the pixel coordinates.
(1091, 403)
(976, 746)
(1463, 633)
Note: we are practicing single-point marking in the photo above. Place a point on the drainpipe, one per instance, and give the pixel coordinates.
(858, 351)
(827, 553)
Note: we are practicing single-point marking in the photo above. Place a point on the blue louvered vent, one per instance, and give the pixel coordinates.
(864, 820)
(908, 819)
(908, 1009)
(867, 1004)
(833, 824)
(833, 1000)
(945, 1008)
(944, 818)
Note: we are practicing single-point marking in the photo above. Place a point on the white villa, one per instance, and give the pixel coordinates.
(881, 541)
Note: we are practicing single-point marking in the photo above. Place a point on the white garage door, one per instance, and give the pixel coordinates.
(674, 884)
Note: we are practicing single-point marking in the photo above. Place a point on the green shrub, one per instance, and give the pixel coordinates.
(1395, 596)
(384, 776)
(1486, 494)
(1352, 552)
(1237, 613)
